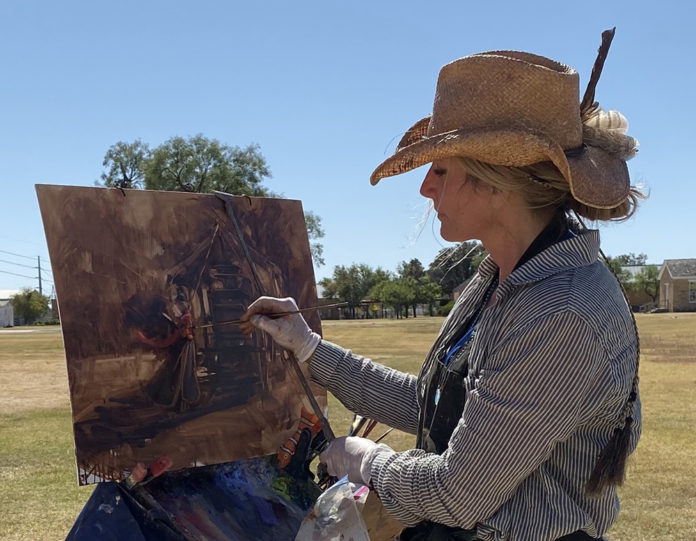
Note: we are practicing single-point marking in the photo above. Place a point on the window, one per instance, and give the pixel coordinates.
(692, 290)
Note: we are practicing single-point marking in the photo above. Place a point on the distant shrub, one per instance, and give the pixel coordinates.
(54, 321)
(445, 310)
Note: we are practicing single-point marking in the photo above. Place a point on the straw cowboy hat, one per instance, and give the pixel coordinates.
(515, 109)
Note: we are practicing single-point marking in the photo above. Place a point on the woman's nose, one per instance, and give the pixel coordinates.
(429, 186)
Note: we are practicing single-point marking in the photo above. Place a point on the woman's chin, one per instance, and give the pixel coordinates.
(449, 236)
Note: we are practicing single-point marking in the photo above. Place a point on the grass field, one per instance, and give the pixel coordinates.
(39, 499)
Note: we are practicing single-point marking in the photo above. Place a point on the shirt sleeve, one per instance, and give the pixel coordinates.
(529, 397)
(367, 388)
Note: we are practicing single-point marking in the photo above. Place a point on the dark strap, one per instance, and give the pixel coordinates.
(579, 536)
(432, 531)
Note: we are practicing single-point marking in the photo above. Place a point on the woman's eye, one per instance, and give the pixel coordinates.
(440, 172)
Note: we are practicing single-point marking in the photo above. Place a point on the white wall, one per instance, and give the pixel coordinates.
(6, 315)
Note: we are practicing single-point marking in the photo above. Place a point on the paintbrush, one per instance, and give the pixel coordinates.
(274, 315)
(141, 476)
(384, 435)
(358, 422)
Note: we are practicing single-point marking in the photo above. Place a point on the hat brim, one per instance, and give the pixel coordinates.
(595, 177)
(599, 179)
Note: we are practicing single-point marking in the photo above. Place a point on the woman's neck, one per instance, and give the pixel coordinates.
(514, 234)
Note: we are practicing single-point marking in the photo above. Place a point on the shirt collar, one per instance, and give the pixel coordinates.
(578, 251)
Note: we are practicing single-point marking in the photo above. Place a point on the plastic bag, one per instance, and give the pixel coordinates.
(336, 515)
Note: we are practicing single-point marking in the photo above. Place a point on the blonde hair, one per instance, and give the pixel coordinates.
(543, 187)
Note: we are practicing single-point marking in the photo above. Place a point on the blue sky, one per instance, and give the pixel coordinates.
(326, 89)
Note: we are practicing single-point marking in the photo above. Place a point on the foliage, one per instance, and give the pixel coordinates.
(631, 259)
(352, 284)
(125, 163)
(203, 165)
(413, 268)
(454, 265)
(29, 305)
(357, 283)
(446, 309)
(647, 281)
(616, 267)
(428, 293)
(197, 164)
(413, 277)
(397, 293)
(53, 321)
(314, 232)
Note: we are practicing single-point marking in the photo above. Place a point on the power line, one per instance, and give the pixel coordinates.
(25, 266)
(38, 267)
(18, 255)
(17, 264)
(22, 275)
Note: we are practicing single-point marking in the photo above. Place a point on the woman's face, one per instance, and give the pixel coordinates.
(463, 206)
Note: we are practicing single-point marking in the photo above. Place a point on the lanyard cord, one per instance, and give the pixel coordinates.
(468, 335)
(471, 330)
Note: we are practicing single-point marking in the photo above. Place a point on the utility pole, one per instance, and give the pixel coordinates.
(40, 290)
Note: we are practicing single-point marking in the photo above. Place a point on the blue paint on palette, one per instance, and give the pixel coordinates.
(242, 500)
(245, 500)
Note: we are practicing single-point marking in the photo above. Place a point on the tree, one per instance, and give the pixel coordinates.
(125, 163)
(428, 293)
(453, 265)
(314, 232)
(395, 292)
(626, 260)
(413, 268)
(29, 305)
(615, 266)
(647, 281)
(410, 274)
(201, 165)
(352, 284)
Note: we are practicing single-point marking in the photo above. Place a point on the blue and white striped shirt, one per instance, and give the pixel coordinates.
(550, 369)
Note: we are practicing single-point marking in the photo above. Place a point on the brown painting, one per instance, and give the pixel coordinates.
(148, 284)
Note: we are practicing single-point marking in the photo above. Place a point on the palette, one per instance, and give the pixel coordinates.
(245, 500)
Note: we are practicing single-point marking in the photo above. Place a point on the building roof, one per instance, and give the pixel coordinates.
(7, 293)
(680, 268)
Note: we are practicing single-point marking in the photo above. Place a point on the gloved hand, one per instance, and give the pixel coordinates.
(290, 331)
(352, 456)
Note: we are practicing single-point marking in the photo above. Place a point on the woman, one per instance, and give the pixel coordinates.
(526, 406)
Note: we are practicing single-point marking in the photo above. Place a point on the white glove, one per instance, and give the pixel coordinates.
(353, 457)
(290, 331)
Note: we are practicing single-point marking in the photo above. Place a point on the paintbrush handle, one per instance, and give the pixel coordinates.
(275, 315)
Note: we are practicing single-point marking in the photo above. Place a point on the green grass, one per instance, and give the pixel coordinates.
(39, 499)
(39, 496)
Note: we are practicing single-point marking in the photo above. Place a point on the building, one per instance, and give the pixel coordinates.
(678, 285)
(6, 313)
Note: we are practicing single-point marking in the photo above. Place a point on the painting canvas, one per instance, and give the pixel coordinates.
(149, 285)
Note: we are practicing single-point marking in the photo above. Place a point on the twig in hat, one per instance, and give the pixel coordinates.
(588, 105)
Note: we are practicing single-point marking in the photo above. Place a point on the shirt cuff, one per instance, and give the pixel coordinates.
(366, 468)
(324, 361)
